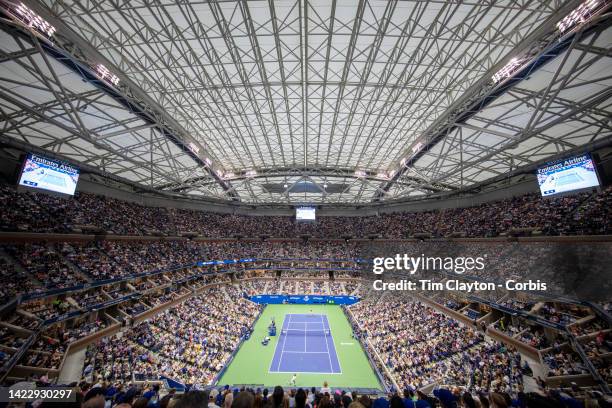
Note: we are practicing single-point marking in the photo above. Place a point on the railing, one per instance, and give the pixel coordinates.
(98, 283)
(112, 329)
(600, 311)
(304, 299)
(525, 349)
(170, 383)
(460, 317)
(90, 309)
(12, 362)
(594, 373)
(514, 312)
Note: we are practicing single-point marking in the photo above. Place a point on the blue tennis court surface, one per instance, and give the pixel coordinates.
(305, 345)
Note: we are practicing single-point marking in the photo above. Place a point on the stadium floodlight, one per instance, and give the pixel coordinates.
(507, 71)
(193, 148)
(360, 173)
(35, 21)
(325, 185)
(580, 15)
(285, 186)
(417, 148)
(105, 74)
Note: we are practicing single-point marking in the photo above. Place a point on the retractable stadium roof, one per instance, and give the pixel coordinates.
(310, 101)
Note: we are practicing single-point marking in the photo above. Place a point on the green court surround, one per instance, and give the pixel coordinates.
(252, 362)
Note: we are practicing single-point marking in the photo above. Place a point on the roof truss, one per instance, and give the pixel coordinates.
(328, 92)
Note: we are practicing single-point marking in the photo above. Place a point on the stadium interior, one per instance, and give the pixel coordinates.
(195, 197)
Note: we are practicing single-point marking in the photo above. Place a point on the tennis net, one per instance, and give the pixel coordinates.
(298, 332)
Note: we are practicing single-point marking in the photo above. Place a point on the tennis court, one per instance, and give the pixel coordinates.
(53, 180)
(305, 345)
(257, 365)
(568, 178)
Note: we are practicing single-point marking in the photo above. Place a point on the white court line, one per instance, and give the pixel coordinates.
(331, 367)
(303, 372)
(284, 341)
(333, 344)
(305, 335)
(272, 362)
(305, 352)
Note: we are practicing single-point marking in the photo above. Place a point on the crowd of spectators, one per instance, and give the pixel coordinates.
(562, 313)
(593, 325)
(45, 264)
(336, 288)
(48, 350)
(82, 329)
(10, 339)
(116, 290)
(14, 281)
(49, 308)
(28, 322)
(190, 342)
(415, 346)
(562, 361)
(251, 288)
(133, 308)
(598, 348)
(351, 287)
(89, 298)
(63, 265)
(309, 287)
(534, 337)
(431, 348)
(289, 287)
(307, 274)
(125, 394)
(584, 213)
(317, 287)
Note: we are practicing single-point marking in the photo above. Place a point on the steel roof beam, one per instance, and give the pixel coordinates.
(78, 55)
(542, 46)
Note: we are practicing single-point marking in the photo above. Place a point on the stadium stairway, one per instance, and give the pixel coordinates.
(72, 371)
(530, 384)
(537, 369)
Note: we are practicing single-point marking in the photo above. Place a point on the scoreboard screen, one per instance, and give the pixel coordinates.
(48, 174)
(305, 213)
(566, 175)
